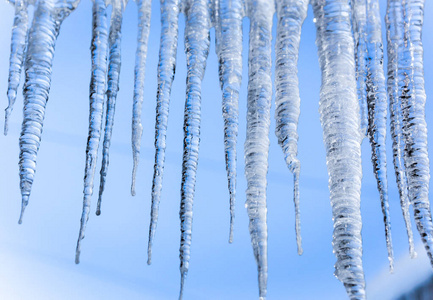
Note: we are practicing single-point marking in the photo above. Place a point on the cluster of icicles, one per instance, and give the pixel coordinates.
(353, 105)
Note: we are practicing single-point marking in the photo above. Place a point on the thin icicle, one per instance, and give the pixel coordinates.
(339, 115)
(166, 68)
(290, 15)
(395, 35)
(257, 139)
(228, 31)
(197, 41)
(98, 83)
(377, 111)
(144, 12)
(114, 40)
(18, 46)
(48, 17)
(359, 23)
(413, 100)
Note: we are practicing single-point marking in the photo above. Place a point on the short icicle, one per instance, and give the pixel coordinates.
(114, 62)
(144, 12)
(339, 115)
(47, 20)
(166, 68)
(18, 47)
(197, 42)
(98, 84)
(290, 17)
(395, 35)
(228, 32)
(258, 125)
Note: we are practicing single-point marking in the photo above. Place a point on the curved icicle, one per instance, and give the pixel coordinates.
(228, 33)
(114, 40)
(339, 115)
(48, 17)
(395, 35)
(290, 16)
(197, 42)
(166, 68)
(144, 12)
(18, 47)
(98, 83)
(257, 139)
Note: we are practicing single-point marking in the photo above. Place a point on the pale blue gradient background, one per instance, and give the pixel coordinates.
(37, 258)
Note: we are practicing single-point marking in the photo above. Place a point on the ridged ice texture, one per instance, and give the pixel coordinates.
(290, 15)
(197, 41)
(114, 62)
(18, 46)
(98, 84)
(359, 24)
(144, 12)
(413, 100)
(257, 140)
(166, 68)
(377, 113)
(228, 33)
(395, 38)
(45, 28)
(339, 115)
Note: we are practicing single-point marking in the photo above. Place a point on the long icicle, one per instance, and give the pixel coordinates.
(228, 30)
(257, 139)
(339, 115)
(166, 68)
(197, 42)
(414, 124)
(395, 28)
(18, 47)
(144, 12)
(290, 15)
(377, 113)
(98, 84)
(114, 62)
(47, 20)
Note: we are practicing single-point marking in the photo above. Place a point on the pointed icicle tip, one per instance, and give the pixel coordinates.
(149, 254)
(133, 185)
(25, 201)
(182, 283)
(98, 206)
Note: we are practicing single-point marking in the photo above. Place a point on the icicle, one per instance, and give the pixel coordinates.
(339, 114)
(48, 17)
(114, 40)
(144, 11)
(228, 32)
(197, 42)
(97, 95)
(394, 23)
(377, 111)
(258, 122)
(413, 100)
(166, 68)
(290, 15)
(359, 23)
(18, 46)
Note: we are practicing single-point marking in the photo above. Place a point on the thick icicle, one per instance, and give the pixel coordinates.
(377, 111)
(257, 139)
(144, 12)
(114, 40)
(197, 41)
(166, 68)
(413, 100)
(339, 115)
(98, 83)
(18, 46)
(395, 35)
(228, 31)
(290, 15)
(48, 17)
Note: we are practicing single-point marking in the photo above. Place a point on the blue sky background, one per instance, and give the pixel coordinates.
(37, 258)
